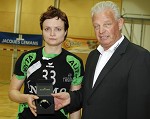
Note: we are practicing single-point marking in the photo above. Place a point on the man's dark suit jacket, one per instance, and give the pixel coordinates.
(122, 90)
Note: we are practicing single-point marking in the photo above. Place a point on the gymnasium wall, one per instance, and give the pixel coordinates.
(78, 12)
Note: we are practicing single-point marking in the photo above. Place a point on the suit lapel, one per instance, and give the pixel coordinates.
(109, 65)
(93, 67)
(113, 60)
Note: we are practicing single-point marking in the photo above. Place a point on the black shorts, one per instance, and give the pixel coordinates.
(27, 114)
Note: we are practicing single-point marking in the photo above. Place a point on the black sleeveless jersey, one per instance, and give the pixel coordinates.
(64, 70)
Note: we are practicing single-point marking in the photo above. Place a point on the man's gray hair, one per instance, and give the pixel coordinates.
(99, 7)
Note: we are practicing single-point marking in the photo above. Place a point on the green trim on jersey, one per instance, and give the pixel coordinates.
(21, 108)
(77, 81)
(48, 55)
(26, 61)
(67, 115)
(20, 77)
(76, 66)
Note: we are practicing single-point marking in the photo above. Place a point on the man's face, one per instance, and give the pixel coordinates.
(107, 28)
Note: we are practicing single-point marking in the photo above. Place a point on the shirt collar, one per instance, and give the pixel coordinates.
(113, 47)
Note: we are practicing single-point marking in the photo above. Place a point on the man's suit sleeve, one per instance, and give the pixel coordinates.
(138, 104)
(76, 101)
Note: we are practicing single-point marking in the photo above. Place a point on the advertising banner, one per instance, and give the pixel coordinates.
(20, 39)
(80, 45)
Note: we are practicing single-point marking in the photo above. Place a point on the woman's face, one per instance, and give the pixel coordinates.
(53, 31)
(107, 28)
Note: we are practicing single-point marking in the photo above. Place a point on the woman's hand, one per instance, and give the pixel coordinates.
(31, 102)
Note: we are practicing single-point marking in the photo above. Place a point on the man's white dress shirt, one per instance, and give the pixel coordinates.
(104, 57)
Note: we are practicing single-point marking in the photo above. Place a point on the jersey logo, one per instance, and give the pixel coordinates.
(50, 65)
(68, 78)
